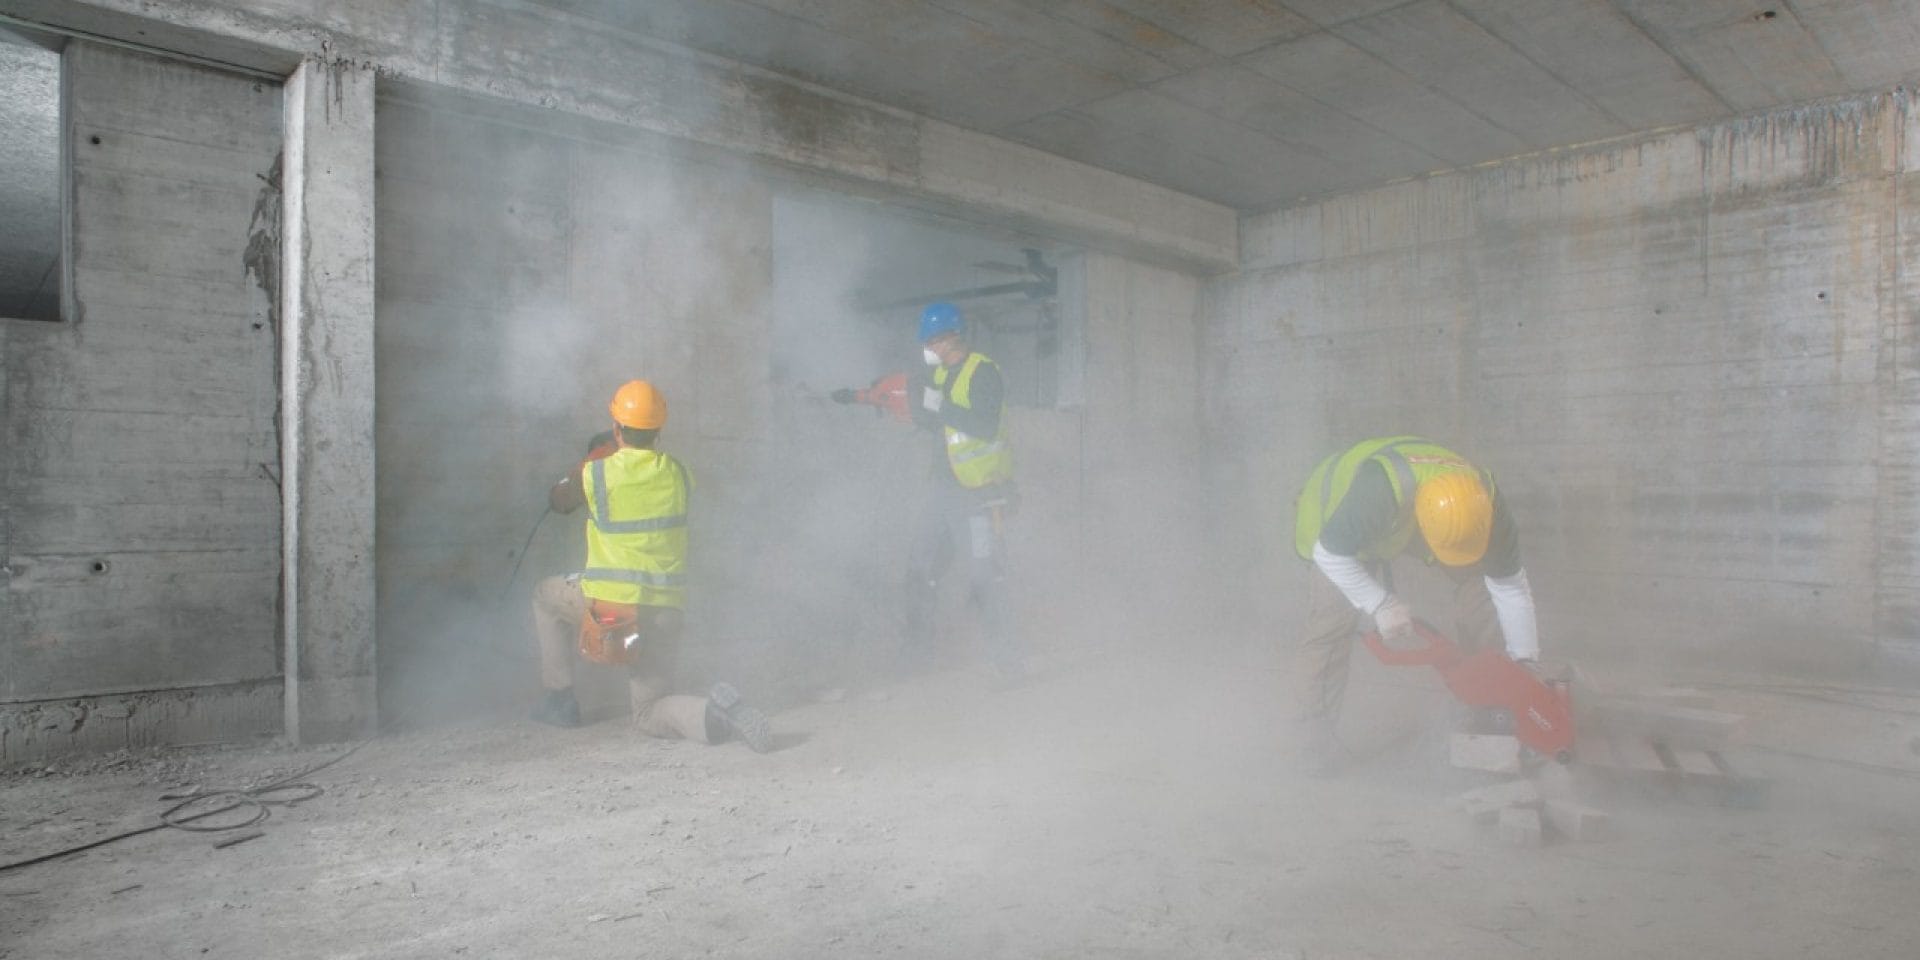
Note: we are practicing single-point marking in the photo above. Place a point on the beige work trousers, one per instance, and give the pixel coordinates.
(558, 608)
(1333, 623)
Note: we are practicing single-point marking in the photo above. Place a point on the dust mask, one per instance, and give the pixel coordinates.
(933, 359)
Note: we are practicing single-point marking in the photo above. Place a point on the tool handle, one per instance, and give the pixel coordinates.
(889, 394)
(1435, 648)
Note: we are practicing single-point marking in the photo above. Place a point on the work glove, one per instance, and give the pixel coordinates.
(845, 395)
(930, 399)
(1393, 620)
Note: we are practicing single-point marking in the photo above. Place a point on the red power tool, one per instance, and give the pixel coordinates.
(888, 394)
(1537, 712)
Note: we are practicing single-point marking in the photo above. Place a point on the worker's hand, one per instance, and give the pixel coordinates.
(845, 395)
(1393, 620)
(930, 399)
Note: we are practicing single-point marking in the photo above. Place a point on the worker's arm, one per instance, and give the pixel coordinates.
(1365, 515)
(1507, 585)
(567, 494)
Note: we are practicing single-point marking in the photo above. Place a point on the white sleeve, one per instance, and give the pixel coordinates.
(1351, 576)
(1513, 604)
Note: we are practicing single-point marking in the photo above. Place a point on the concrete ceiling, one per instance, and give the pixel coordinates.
(1253, 103)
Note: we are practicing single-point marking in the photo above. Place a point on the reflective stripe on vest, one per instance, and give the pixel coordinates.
(636, 529)
(1408, 461)
(975, 463)
(635, 576)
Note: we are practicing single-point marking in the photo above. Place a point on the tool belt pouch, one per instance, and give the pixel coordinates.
(610, 632)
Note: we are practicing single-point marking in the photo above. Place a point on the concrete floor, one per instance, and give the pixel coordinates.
(1127, 807)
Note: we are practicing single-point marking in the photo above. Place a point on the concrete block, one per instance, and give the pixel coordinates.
(1513, 793)
(1484, 805)
(1493, 753)
(1575, 821)
(1520, 826)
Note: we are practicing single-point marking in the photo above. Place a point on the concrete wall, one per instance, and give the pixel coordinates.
(525, 271)
(1687, 357)
(524, 275)
(139, 504)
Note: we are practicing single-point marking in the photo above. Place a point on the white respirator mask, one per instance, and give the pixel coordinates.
(933, 359)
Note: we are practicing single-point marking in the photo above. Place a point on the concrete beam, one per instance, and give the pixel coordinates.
(326, 394)
(547, 58)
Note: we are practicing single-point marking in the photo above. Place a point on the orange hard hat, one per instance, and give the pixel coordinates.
(1455, 514)
(638, 406)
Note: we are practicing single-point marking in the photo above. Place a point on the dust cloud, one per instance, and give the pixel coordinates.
(527, 272)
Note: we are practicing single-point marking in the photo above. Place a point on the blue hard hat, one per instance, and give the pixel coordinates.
(939, 318)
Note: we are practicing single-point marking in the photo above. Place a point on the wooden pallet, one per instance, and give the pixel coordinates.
(1681, 770)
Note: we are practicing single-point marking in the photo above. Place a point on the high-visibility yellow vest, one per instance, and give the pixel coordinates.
(1409, 461)
(975, 462)
(636, 528)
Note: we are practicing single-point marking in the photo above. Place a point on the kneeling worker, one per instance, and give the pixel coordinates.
(1373, 502)
(625, 608)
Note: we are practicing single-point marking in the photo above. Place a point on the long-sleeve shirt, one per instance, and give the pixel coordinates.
(986, 394)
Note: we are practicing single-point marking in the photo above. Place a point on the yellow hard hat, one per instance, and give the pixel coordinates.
(638, 406)
(1455, 514)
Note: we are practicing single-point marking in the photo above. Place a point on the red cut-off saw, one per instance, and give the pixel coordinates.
(1537, 712)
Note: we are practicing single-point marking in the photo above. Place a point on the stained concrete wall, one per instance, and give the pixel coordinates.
(524, 275)
(1687, 358)
(527, 270)
(140, 500)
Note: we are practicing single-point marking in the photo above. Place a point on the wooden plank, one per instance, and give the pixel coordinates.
(1632, 754)
(1672, 725)
(1681, 697)
(1690, 764)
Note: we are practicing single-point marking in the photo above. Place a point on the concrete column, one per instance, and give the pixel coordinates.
(326, 396)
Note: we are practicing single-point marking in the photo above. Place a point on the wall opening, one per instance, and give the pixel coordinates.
(32, 176)
(851, 277)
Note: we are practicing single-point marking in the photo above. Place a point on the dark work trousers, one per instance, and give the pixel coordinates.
(965, 522)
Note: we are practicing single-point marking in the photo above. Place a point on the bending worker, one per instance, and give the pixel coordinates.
(625, 608)
(1365, 506)
(961, 400)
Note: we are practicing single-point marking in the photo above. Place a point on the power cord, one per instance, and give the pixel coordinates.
(259, 801)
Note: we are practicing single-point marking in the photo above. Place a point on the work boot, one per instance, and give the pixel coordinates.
(559, 709)
(727, 713)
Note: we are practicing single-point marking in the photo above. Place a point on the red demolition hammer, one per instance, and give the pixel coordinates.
(1537, 712)
(888, 394)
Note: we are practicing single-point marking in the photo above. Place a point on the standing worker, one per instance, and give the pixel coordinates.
(1364, 507)
(961, 400)
(625, 607)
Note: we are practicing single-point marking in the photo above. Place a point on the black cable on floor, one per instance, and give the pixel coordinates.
(257, 800)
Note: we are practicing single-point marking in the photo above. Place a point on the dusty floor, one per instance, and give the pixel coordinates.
(1135, 807)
